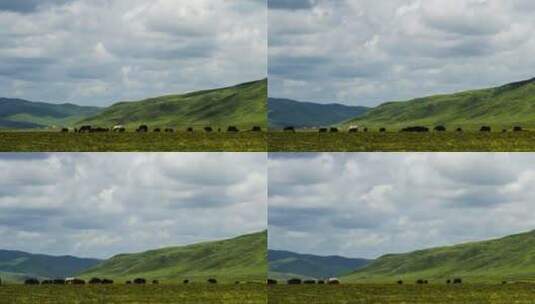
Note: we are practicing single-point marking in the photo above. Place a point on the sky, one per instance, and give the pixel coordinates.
(97, 52)
(103, 204)
(366, 52)
(365, 205)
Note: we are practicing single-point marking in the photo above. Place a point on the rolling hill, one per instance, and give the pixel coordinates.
(242, 258)
(17, 265)
(504, 106)
(284, 264)
(242, 105)
(286, 112)
(23, 114)
(509, 258)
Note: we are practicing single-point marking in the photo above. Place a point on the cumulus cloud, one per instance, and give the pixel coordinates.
(369, 52)
(370, 204)
(99, 205)
(97, 52)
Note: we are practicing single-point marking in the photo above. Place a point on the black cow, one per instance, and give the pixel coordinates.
(47, 282)
(448, 281)
(457, 281)
(289, 129)
(155, 282)
(99, 130)
(208, 129)
(365, 130)
(190, 129)
(140, 281)
(272, 282)
(504, 282)
(333, 130)
(323, 130)
(440, 129)
(294, 281)
(65, 130)
(212, 281)
(95, 281)
(236, 282)
(420, 282)
(485, 129)
(309, 282)
(382, 130)
(517, 129)
(85, 129)
(128, 282)
(157, 130)
(333, 282)
(504, 130)
(232, 129)
(77, 282)
(142, 129)
(459, 129)
(256, 129)
(185, 281)
(353, 130)
(31, 281)
(169, 130)
(418, 129)
(321, 282)
(400, 282)
(107, 281)
(59, 282)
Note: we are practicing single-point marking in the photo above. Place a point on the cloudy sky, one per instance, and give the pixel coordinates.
(365, 52)
(370, 204)
(99, 205)
(96, 52)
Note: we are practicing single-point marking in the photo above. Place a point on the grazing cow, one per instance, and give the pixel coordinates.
(272, 282)
(457, 281)
(365, 130)
(236, 282)
(323, 130)
(309, 282)
(418, 129)
(119, 129)
(294, 281)
(190, 129)
(65, 130)
(440, 129)
(212, 281)
(504, 130)
(321, 282)
(504, 282)
(76, 282)
(333, 281)
(256, 129)
(420, 282)
(157, 130)
(99, 130)
(289, 129)
(448, 281)
(140, 281)
(400, 282)
(333, 130)
(47, 282)
(485, 129)
(185, 281)
(459, 130)
(353, 130)
(517, 129)
(95, 281)
(107, 281)
(155, 282)
(382, 130)
(142, 129)
(128, 282)
(232, 129)
(31, 281)
(59, 282)
(85, 129)
(208, 129)
(169, 130)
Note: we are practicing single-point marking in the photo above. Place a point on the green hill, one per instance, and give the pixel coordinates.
(286, 112)
(242, 258)
(284, 264)
(510, 258)
(17, 265)
(23, 114)
(501, 107)
(243, 106)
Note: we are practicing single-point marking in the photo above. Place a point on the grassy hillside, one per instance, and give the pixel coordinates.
(241, 258)
(508, 258)
(286, 112)
(502, 107)
(16, 265)
(18, 113)
(243, 105)
(285, 264)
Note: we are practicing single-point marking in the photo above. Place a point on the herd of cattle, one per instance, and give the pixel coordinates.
(98, 281)
(296, 281)
(145, 129)
(414, 129)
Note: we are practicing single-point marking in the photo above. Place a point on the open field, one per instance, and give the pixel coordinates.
(124, 294)
(130, 141)
(393, 294)
(397, 141)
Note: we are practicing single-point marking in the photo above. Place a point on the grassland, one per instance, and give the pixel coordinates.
(394, 294)
(399, 142)
(124, 294)
(130, 142)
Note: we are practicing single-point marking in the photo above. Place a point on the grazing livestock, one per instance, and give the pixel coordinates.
(142, 129)
(208, 129)
(504, 130)
(119, 129)
(333, 281)
(272, 282)
(485, 129)
(353, 130)
(400, 282)
(95, 281)
(185, 281)
(256, 129)
(517, 129)
(157, 130)
(294, 281)
(321, 282)
(504, 282)
(74, 281)
(459, 130)
(190, 129)
(289, 129)
(212, 281)
(365, 130)
(155, 282)
(232, 129)
(85, 129)
(107, 281)
(333, 130)
(419, 129)
(237, 283)
(65, 130)
(309, 282)
(99, 130)
(31, 281)
(420, 282)
(47, 282)
(457, 281)
(140, 281)
(59, 282)
(382, 130)
(323, 130)
(169, 130)
(448, 281)
(128, 282)
(440, 129)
